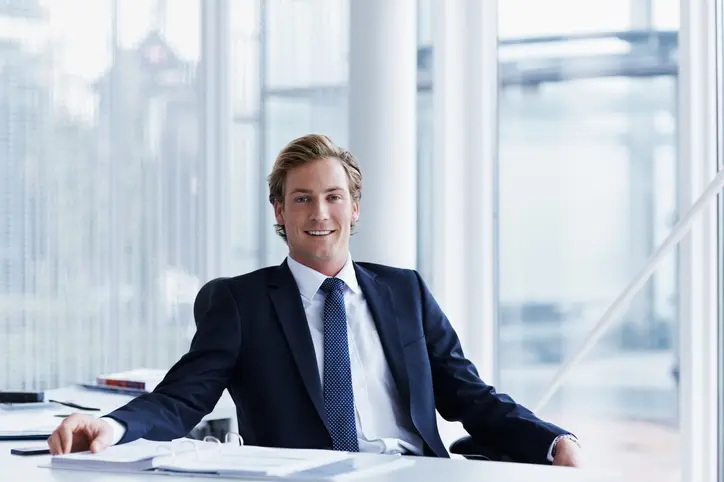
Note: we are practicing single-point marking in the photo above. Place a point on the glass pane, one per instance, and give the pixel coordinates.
(525, 18)
(307, 81)
(247, 193)
(290, 117)
(308, 42)
(246, 179)
(665, 14)
(245, 53)
(587, 192)
(99, 156)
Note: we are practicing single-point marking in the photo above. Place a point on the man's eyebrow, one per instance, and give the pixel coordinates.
(309, 191)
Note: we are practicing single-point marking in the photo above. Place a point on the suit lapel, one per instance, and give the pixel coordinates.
(289, 309)
(379, 299)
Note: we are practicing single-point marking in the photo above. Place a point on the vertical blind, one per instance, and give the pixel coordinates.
(99, 187)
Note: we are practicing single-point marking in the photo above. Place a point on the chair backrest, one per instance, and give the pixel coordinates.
(203, 298)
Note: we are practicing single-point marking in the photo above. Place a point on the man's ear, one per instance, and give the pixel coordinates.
(279, 212)
(355, 211)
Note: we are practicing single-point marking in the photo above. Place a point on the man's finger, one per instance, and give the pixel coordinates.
(57, 445)
(66, 437)
(97, 446)
(53, 444)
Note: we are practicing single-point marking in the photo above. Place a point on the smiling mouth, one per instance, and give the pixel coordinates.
(319, 233)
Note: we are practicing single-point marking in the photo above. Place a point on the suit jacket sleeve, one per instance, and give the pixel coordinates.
(494, 420)
(195, 383)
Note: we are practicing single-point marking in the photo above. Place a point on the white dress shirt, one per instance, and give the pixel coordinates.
(382, 424)
(119, 430)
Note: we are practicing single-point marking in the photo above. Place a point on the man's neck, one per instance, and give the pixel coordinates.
(327, 268)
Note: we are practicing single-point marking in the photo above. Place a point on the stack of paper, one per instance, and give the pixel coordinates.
(133, 457)
(228, 460)
(21, 424)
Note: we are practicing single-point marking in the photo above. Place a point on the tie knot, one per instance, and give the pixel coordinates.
(330, 285)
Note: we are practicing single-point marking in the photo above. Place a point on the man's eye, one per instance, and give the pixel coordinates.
(335, 197)
(301, 199)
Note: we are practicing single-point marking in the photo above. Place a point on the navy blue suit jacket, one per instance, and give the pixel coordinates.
(253, 338)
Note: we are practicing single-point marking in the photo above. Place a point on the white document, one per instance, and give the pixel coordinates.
(23, 423)
(250, 460)
(191, 457)
(135, 456)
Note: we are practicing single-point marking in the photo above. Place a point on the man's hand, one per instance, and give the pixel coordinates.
(568, 453)
(80, 432)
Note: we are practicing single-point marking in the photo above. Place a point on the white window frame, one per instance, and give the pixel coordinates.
(719, 23)
(698, 252)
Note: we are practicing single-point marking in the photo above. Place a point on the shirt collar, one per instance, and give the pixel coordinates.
(309, 281)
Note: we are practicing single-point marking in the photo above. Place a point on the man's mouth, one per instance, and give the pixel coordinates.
(319, 233)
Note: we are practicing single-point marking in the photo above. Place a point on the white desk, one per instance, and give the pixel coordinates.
(44, 418)
(13, 467)
(109, 401)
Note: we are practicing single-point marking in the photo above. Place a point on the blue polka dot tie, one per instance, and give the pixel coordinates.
(338, 394)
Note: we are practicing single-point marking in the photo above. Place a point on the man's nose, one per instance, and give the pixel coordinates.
(320, 210)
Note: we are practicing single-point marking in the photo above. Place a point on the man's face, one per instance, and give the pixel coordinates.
(317, 213)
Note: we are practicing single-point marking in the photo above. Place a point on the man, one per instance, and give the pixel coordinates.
(324, 352)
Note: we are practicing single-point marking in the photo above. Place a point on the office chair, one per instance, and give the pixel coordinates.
(464, 446)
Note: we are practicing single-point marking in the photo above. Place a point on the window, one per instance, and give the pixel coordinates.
(587, 192)
(98, 215)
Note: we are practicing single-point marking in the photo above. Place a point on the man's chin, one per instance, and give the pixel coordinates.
(321, 250)
(323, 254)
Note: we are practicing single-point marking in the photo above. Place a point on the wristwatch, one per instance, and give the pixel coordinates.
(570, 437)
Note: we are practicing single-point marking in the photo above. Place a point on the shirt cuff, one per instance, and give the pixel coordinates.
(555, 441)
(118, 429)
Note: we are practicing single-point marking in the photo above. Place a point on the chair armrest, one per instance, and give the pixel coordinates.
(466, 447)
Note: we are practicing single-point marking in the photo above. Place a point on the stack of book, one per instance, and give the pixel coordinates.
(135, 382)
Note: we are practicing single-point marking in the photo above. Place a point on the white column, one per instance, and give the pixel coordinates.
(382, 128)
(465, 125)
(215, 129)
(449, 160)
(482, 89)
(699, 261)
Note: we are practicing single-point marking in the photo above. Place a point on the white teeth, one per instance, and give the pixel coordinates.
(319, 233)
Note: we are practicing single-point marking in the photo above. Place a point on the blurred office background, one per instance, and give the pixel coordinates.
(135, 137)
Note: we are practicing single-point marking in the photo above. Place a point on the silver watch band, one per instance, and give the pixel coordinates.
(561, 437)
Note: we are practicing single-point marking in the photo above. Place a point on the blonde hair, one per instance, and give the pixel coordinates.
(306, 149)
